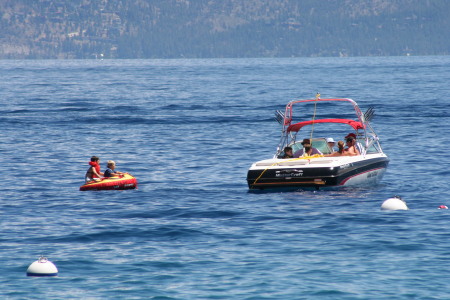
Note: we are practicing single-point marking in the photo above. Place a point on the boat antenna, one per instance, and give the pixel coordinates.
(314, 115)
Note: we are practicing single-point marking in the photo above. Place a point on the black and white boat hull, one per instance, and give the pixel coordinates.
(320, 172)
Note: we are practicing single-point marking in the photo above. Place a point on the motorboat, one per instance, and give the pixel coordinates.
(122, 182)
(318, 119)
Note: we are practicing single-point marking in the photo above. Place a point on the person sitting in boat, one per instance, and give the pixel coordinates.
(358, 145)
(307, 150)
(110, 171)
(287, 152)
(331, 143)
(341, 150)
(93, 173)
(351, 149)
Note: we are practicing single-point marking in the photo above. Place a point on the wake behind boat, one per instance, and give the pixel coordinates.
(324, 118)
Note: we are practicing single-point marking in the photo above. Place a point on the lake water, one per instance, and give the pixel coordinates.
(189, 130)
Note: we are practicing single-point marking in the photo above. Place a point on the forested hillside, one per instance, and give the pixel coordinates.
(222, 28)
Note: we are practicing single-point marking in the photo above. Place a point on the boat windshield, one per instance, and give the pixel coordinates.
(318, 143)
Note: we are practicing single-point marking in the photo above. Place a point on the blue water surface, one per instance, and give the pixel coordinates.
(189, 130)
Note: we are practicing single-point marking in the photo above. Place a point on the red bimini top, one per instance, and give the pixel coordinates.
(297, 126)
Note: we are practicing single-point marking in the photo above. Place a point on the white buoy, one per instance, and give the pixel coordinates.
(42, 268)
(394, 203)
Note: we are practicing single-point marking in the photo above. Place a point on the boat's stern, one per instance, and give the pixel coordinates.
(317, 172)
(279, 173)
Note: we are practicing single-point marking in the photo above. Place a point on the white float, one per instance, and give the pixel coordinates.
(394, 203)
(42, 268)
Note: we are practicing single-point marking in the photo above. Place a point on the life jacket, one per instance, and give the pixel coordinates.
(97, 168)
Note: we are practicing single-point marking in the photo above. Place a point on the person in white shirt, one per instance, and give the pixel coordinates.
(331, 143)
